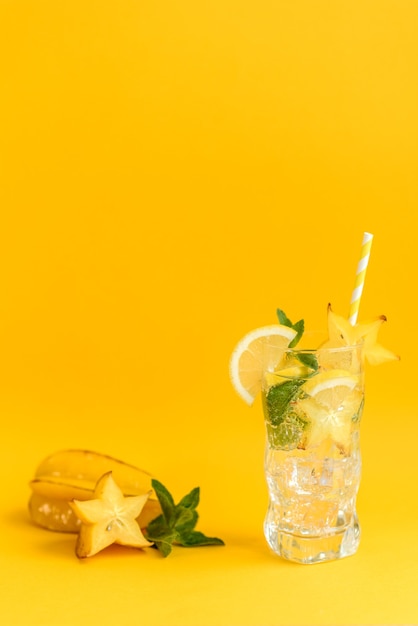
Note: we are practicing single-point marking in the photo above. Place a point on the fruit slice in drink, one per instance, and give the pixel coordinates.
(342, 333)
(285, 423)
(333, 403)
(258, 352)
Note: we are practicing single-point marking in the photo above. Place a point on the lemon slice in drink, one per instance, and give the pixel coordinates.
(333, 404)
(282, 375)
(330, 387)
(260, 351)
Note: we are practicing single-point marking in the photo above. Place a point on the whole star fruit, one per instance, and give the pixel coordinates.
(73, 474)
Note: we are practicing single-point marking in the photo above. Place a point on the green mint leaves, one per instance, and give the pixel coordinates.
(177, 522)
(285, 427)
(286, 423)
(306, 358)
(299, 326)
(279, 398)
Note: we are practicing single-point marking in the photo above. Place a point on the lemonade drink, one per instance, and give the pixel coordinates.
(312, 405)
(313, 394)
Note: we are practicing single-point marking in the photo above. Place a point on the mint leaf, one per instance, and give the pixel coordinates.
(191, 500)
(287, 435)
(165, 499)
(283, 319)
(186, 520)
(308, 359)
(177, 522)
(164, 545)
(285, 425)
(298, 326)
(278, 399)
(196, 538)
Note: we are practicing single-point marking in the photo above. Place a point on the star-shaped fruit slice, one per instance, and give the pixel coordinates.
(374, 352)
(108, 518)
(334, 399)
(342, 333)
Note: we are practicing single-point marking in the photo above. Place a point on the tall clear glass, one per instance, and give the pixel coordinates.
(313, 402)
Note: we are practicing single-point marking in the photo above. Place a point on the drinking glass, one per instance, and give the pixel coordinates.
(313, 403)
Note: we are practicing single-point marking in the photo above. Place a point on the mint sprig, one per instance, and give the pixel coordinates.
(285, 425)
(305, 358)
(176, 524)
(299, 327)
(279, 397)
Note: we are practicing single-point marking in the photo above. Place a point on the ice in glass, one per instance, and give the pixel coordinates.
(312, 404)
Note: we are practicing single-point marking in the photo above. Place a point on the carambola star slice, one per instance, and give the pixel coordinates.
(109, 518)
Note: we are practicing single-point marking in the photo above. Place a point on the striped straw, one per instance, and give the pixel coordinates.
(360, 276)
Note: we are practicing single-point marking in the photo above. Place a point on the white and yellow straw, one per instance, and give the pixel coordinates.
(360, 276)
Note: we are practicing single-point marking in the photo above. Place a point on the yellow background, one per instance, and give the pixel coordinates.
(170, 173)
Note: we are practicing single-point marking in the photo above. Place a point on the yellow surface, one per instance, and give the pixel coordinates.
(170, 173)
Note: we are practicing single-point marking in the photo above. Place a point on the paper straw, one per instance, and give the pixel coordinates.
(360, 276)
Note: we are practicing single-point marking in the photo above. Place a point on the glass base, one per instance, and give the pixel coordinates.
(314, 549)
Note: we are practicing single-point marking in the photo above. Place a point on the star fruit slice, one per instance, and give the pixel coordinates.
(108, 518)
(333, 403)
(375, 353)
(341, 333)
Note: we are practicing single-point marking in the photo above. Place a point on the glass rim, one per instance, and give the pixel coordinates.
(320, 349)
(323, 336)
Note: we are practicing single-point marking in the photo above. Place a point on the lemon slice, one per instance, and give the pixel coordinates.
(282, 375)
(330, 388)
(333, 404)
(258, 352)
